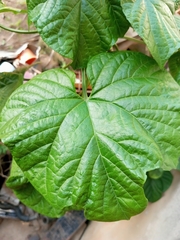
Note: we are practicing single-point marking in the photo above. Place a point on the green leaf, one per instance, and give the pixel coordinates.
(3, 149)
(78, 29)
(174, 66)
(93, 153)
(28, 194)
(154, 22)
(177, 4)
(145, 99)
(177, 19)
(156, 173)
(8, 83)
(154, 188)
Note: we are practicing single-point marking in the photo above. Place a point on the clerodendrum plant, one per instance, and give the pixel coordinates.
(93, 152)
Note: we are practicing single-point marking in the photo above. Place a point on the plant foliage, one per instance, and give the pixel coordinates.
(93, 152)
(78, 29)
(155, 23)
(8, 83)
(155, 187)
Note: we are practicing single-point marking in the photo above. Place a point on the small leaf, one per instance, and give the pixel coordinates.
(156, 173)
(174, 66)
(154, 22)
(8, 83)
(93, 153)
(154, 188)
(78, 29)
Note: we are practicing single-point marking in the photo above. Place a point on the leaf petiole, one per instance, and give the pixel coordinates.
(133, 39)
(84, 83)
(13, 10)
(17, 30)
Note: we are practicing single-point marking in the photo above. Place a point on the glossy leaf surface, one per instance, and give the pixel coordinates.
(78, 29)
(154, 22)
(93, 153)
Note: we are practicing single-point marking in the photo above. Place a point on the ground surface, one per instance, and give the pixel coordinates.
(12, 41)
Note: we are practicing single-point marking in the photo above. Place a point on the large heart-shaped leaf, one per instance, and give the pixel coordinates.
(155, 23)
(93, 153)
(78, 29)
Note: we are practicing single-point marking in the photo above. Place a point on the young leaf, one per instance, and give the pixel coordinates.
(154, 22)
(156, 173)
(174, 63)
(8, 83)
(78, 29)
(154, 188)
(93, 153)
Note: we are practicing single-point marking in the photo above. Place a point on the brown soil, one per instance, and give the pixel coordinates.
(12, 41)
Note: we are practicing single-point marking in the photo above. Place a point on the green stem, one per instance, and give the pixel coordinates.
(67, 65)
(17, 30)
(133, 39)
(116, 47)
(13, 10)
(84, 83)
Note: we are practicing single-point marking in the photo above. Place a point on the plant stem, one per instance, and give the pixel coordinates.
(84, 83)
(18, 31)
(116, 47)
(133, 39)
(13, 10)
(67, 65)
